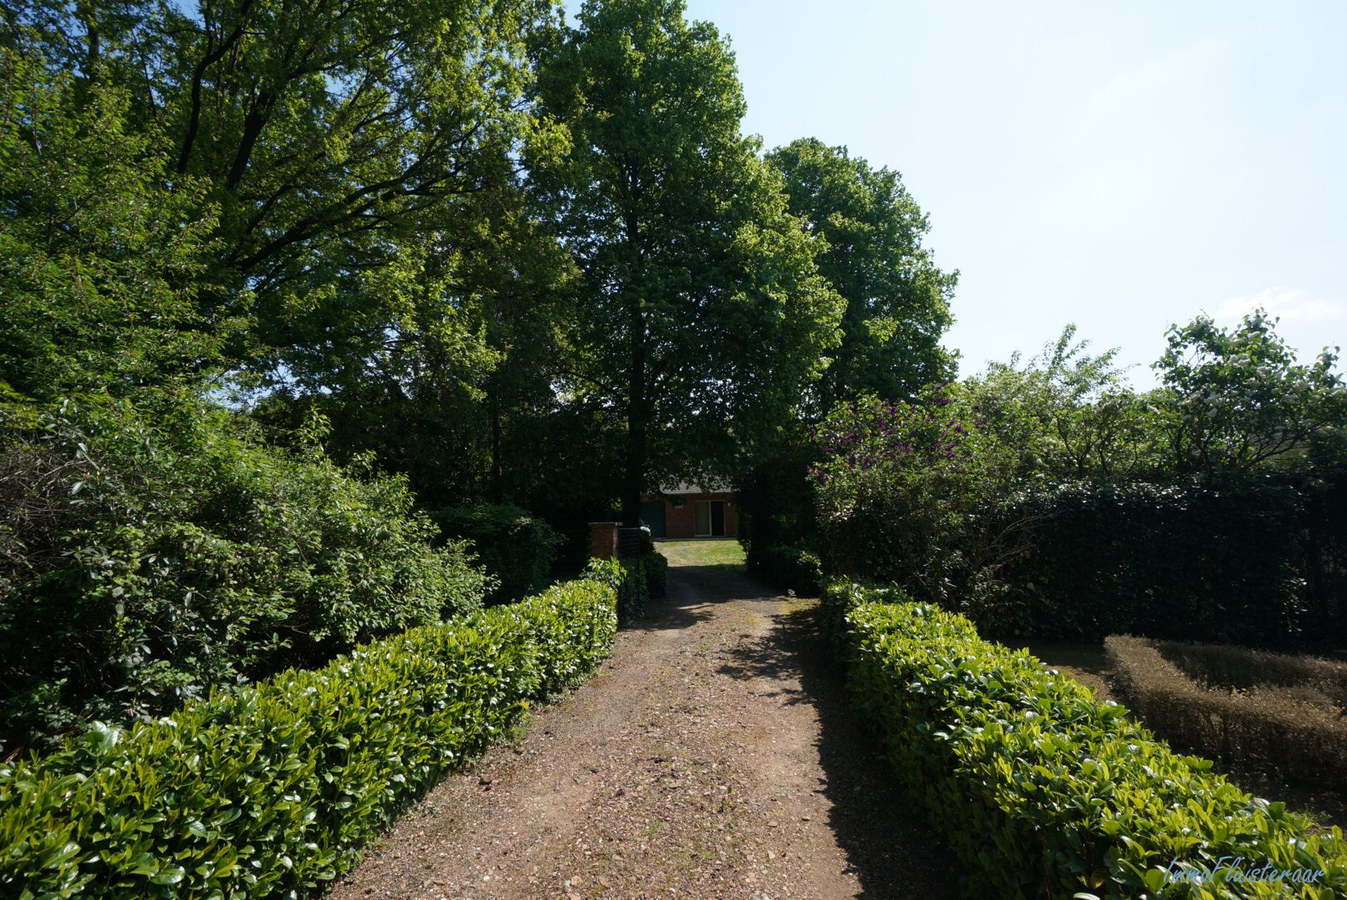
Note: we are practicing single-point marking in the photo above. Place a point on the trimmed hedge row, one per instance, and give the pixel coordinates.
(273, 790)
(1283, 716)
(1041, 789)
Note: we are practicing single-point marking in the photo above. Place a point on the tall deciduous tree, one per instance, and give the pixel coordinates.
(897, 300)
(1236, 397)
(337, 141)
(98, 265)
(701, 314)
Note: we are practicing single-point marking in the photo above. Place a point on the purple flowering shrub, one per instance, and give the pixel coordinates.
(905, 495)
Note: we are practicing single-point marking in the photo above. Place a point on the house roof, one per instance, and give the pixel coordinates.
(710, 487)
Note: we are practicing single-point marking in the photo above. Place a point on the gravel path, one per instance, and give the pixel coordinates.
(713, 755)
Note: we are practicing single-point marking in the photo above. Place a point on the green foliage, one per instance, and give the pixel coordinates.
(779, 518)
(897, 301)
(656, 573)
(514, 547)
(1049, 499)
(1238, 398)
(99, 264)
(273, 790)
(643, 578)
(1041, 789)
(790, 568)
(152, 553)
(904, 490)
(1255, 566)
(703, 313)
(634, 593)
(1070, 414)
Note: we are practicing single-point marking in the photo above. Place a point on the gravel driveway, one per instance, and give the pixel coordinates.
(712, 756)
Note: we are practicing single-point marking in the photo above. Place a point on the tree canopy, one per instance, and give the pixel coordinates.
(897, 300)
(702, 315)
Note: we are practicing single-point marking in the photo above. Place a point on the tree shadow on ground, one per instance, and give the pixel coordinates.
(691, 592)
(887, 839)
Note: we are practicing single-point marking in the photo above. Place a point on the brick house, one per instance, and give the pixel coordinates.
(691, 511)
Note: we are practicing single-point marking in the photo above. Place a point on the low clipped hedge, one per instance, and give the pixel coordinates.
(1040, 788)
(1253, 711)
(273, 790)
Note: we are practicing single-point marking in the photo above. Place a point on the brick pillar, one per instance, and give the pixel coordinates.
(603, 540)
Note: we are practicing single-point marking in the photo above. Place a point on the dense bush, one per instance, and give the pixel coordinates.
(1051, 499)
(1254, 712)
(776, 499)
(957, 506)
(656, 573)
(643, 578)
(634, 592)
(1183, 560)
(512, 545)
(905, 491)
(273, 790)
(789, 568)
(151, 553)
(1040, 788)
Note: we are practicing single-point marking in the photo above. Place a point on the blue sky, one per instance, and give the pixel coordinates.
(1120, 166)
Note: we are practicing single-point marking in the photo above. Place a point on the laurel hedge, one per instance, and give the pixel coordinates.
(1041, 789)
(643, 578)
(273, 790)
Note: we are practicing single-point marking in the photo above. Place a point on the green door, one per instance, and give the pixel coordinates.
(652, 516)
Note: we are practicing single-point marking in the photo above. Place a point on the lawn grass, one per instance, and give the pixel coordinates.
(720, 553)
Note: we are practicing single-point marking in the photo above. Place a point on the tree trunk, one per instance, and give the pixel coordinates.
(638, 401)
(638, 421)
(497, 489)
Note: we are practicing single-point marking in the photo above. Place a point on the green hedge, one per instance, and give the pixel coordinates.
(1040, 788)
(513, 545)
(644, 577)
(790, 568)
(273, 790)
(1258, 562)
(656, 573)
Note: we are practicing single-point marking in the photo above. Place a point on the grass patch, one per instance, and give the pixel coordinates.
(720, 553)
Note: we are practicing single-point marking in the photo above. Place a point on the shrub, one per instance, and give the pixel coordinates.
(643, 577)
(789, 568)
(153, 552)
(513, 546)
(656, 573)
(634, 592)
(1040, 788)
(904, 493)
(1254, 712)
(1183, 560)
(273, 790)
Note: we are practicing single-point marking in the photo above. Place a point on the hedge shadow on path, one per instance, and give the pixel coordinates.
(888, 843)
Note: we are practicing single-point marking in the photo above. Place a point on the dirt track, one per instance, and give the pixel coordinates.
(712, 756)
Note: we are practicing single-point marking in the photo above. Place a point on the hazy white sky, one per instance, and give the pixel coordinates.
(1121, 166)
